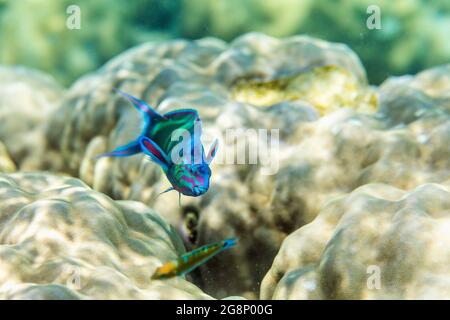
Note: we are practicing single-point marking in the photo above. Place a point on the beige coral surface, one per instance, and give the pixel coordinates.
(378, 242)
(27, 98)
(6, 164)
(59, 239)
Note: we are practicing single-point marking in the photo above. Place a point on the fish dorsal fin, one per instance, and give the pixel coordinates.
(155, 153)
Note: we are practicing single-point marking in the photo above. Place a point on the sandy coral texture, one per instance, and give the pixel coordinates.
(59, 239)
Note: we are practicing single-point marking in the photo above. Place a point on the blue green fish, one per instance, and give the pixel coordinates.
(190, 174)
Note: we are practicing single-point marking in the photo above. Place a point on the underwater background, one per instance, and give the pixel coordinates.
(413, 37)
(358, 203)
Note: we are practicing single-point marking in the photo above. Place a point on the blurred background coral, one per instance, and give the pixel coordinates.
(413, 34)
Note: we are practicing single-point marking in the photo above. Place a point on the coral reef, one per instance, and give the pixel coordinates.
(6, 164)
(59, 239)
(201, 75)
(411, 37)
(27, 98)
(375, 231)
(327, 88)
(327, 148)
(349, 156)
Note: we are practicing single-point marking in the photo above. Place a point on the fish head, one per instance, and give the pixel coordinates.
(190, 179)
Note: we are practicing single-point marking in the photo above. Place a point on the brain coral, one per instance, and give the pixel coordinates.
(377, 242)
(59, 239)
(27, 98)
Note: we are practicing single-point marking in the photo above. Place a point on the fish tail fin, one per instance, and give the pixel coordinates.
(129, 149)
(148, 112)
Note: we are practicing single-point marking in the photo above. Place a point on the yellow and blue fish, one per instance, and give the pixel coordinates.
(192, 259)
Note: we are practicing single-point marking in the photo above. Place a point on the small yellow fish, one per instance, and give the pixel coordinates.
(192, 259)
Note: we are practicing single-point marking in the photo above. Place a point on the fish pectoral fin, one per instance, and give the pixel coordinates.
(155, 153)
(123, 151)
